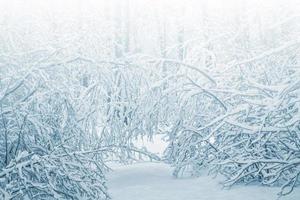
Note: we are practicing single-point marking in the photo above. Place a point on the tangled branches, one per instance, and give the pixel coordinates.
(54, 176)
(248, 131)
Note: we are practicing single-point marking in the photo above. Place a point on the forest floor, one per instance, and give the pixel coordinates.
(154, 181)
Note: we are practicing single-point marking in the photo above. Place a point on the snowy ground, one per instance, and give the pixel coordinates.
(153, 181)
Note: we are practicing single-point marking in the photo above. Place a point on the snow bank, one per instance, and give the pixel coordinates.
(153, 181)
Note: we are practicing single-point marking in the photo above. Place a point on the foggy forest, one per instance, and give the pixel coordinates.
(149, 100)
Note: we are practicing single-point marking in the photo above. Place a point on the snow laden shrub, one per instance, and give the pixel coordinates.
(264, 146)
(59, 175)
(135, 105)
(247, 129)
(191, 147)
(42, 158)
(70, 119)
